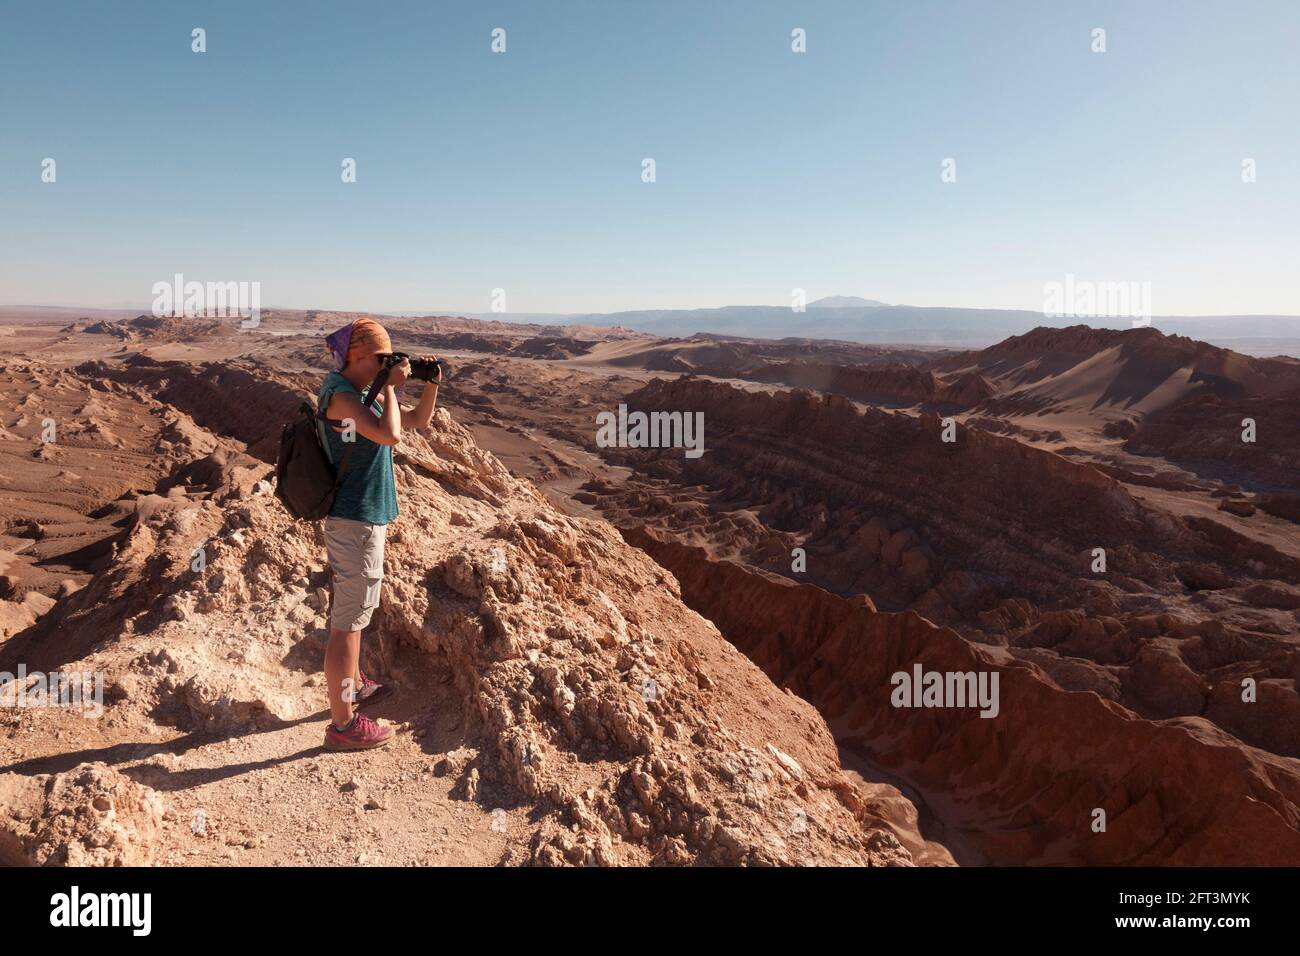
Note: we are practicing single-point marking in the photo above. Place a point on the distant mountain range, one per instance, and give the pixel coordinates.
(846, 302)
(845, 318)
(855, 319)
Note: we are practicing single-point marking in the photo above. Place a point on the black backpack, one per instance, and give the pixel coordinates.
(305, 479)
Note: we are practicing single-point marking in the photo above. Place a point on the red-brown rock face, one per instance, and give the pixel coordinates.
(1024, 786)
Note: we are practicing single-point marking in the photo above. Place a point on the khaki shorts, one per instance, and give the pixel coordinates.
(356, 556)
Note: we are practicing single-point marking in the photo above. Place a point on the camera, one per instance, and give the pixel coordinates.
(426, 370)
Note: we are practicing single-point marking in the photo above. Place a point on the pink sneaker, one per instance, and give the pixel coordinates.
(361, 733)
(371, 692)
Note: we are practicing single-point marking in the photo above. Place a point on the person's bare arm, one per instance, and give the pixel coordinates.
(422, 413)
(383, 430)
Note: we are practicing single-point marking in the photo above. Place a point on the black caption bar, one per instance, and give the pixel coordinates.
(142, 907)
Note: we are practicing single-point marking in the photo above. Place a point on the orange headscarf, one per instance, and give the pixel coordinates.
(368, 338)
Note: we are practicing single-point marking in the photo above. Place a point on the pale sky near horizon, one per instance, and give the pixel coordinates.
(775, 170)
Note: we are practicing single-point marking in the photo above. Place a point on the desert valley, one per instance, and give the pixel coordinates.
(608, 653)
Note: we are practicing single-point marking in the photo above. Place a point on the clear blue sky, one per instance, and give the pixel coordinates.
(775, 169)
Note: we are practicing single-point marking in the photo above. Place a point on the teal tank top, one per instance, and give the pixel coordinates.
(367, 492)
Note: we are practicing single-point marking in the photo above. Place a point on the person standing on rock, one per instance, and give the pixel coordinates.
(366, 501)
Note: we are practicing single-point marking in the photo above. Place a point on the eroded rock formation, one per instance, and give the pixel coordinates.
(1024, 785)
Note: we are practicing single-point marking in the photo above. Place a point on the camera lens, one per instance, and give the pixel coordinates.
(424, 370)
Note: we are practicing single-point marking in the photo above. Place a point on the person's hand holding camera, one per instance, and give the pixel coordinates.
(399, 373)
(433, 375)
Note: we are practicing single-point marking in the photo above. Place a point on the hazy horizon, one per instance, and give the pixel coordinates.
(145, 307)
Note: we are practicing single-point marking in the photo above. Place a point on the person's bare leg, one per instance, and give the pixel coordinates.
(342, 657)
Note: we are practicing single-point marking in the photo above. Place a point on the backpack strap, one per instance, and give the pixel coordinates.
(347, 452)
(343, 466)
